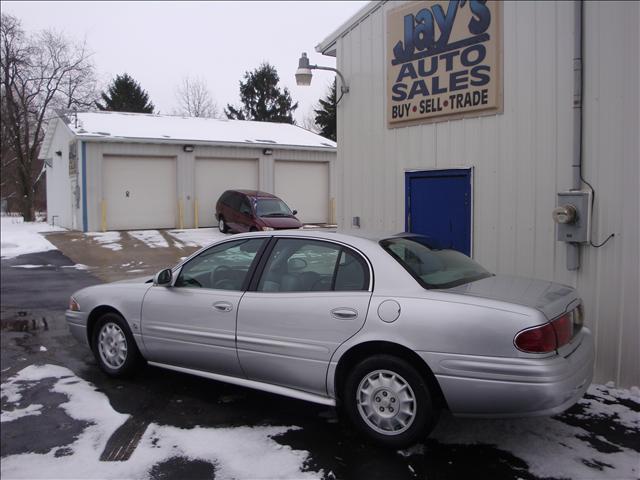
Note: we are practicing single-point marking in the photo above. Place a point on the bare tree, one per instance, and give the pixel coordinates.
(194, 99)
(39, 73)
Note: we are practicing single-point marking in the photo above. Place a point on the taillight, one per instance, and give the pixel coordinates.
(548, 337)
(540, 339)
(564, 329)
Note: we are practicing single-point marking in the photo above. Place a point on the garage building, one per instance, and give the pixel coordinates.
(124, 171)
(472, 121)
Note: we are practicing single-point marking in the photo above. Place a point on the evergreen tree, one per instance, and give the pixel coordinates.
(125, 95)
(326, 114)
(262, 99)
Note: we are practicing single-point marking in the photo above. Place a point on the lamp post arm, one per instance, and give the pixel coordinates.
(344, 88)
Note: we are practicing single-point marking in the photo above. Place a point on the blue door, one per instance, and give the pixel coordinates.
(438, 204)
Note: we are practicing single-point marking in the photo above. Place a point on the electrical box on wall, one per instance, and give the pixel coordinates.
(573, 216)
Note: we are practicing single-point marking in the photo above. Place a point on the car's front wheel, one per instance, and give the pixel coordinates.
(222, 226)
(389, 401)
(114, 347)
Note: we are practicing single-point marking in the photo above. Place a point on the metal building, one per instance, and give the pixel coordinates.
(122, 171)
(459, 120)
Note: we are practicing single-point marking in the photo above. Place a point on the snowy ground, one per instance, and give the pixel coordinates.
(19, 237)
(241, 452)
(560, 447)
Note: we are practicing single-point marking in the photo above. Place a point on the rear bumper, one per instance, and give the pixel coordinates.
(514, 387)
(77, 322)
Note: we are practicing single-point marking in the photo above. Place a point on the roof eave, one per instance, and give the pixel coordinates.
(177, 141)
(328, 45)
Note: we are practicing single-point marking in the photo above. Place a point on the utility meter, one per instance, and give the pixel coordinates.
(573, 216)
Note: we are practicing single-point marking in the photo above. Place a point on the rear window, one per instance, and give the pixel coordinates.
(431, 267)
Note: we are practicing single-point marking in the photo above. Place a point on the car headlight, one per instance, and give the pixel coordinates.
(267, 229)
(74, 306)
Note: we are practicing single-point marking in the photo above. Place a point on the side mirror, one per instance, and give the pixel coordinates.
(295, 212)
(163, 277)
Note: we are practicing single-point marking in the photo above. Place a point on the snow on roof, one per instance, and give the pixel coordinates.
(328, 45)
(165, 128)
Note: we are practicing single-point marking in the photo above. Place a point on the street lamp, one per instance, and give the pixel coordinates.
(304, 75)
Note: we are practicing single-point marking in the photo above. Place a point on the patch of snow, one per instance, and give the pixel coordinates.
(10, 416)
(27, 265)
(77, 266)
(18, 237)
(197, 237)
(107, 239)
(549, 446)
(151, 238)
(243, 452)
(43, 348)
(135, 270)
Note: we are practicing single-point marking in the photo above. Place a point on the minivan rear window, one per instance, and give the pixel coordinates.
(432, 267)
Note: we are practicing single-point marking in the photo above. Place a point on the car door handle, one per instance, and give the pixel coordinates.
(223, 306)
(344, 313)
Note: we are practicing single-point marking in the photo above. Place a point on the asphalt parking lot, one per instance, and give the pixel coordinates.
(63, 418)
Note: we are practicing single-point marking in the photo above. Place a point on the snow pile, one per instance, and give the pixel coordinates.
(30, 266)
(107, 239)
(242, 452)
(555, 448)
(151, 238)
(18, 237)
(197, 237)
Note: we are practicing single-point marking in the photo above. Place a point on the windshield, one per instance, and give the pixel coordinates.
(431, 267)
(272, 207)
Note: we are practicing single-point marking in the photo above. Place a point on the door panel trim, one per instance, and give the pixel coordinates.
(243, 382)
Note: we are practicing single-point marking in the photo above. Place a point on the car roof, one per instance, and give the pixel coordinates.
(255, 193)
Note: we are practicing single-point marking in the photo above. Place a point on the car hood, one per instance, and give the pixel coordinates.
(144, 279)
(551, 298)
(281, 222)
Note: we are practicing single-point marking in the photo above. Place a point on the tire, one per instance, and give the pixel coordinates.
(114, 347)
(373, 390)
(222, 225)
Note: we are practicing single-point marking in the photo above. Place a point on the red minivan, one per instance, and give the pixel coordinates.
(252, 210)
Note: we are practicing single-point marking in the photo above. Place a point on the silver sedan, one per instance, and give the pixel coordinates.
(391, 329)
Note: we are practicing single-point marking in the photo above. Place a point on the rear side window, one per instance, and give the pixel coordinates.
(300, 265)
(351, 273)
(234, 200)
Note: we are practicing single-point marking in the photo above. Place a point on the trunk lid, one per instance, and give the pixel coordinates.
(552, 299)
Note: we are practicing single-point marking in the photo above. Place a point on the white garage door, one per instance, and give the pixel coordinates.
(139, 192)
(304, 186)
(214, 176)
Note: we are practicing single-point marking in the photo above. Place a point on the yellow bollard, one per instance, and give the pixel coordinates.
(103, 223)
(180, 215)
(196, 222)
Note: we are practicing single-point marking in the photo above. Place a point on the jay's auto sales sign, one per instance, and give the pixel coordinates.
(443, 59)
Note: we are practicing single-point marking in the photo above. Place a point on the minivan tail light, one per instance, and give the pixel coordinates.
(548, 337)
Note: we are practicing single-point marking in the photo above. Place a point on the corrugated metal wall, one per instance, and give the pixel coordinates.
(521, 158)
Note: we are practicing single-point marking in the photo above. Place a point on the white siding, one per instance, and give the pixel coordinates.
(60, 200)
(521, 158)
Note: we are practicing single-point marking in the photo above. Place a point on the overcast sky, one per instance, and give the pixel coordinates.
(158, 43)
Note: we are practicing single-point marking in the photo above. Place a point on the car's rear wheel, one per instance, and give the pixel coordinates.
(389, 401)
(222, 226)
(114, 347)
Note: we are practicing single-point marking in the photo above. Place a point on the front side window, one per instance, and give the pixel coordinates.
(433, 268)
(299, 265)
(222, 267)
